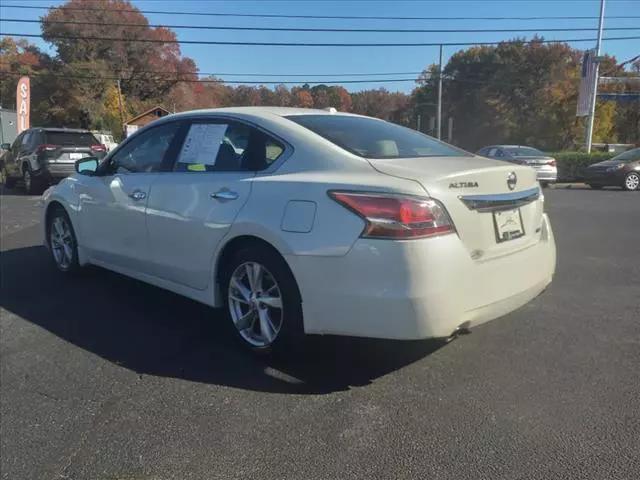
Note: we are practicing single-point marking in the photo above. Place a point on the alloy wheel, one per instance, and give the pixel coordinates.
(61, 243)
(255, 304)
(632, 182)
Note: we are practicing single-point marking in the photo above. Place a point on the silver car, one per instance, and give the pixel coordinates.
(544, 165)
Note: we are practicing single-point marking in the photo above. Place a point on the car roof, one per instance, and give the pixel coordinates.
(265, 112)
(510, 146)
(53, 129)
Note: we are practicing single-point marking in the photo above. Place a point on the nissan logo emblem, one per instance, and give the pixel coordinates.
(512, 180)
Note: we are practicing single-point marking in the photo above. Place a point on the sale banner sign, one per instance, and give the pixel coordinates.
(23, 99)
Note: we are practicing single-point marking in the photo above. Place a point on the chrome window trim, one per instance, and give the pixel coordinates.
(500, 201)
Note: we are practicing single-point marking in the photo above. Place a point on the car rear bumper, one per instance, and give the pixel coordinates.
(56, 171)
(547, 174)
(418, 289)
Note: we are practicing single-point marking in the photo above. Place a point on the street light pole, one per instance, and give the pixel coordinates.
(592, 109)
(439, 115)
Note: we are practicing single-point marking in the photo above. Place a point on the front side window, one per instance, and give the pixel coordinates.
(226, 147)
(15, 148)
(145, 152)
(375, 139)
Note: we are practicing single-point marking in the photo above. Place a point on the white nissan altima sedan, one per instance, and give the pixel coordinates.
(302, 221)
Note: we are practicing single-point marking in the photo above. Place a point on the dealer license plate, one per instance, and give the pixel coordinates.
(508, 225)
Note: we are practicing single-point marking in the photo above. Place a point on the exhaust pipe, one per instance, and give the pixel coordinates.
(462, 329)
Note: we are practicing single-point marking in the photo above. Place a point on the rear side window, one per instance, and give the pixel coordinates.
(226, 147)
(80, 139)
(628, 156)
(375, 139)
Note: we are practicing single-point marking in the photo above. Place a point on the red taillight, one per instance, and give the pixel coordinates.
(552, 163)
(46, 148)
(98, 148)
(396, 216)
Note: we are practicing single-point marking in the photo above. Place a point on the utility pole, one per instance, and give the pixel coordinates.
(592, 110)
(121, 107)
(440, 93)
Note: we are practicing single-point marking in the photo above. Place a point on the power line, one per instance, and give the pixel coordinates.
(305, 44)
(305, 29)
(334, 17)
(236, 74)
(216, 81)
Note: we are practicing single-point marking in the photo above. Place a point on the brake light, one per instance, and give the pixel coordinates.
(552, 163)
(46, 148)
(396, 216)
(98, 148)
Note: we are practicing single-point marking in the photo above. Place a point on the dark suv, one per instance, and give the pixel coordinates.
(42, 156)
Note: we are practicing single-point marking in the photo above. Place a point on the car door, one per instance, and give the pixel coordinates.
(11, 157)
(191, 209)
(113, 201)
(24, 152)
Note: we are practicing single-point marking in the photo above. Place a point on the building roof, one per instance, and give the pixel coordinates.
(138, 117)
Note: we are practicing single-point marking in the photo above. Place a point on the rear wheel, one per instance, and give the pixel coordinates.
(31, 183)
(62, 241)
(263, 301)
(632, 181)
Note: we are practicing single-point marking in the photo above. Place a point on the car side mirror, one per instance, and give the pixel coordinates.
(5, 146)
(87, 165)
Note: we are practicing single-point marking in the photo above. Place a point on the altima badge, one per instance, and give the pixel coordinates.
(463, 185)
(512, 180)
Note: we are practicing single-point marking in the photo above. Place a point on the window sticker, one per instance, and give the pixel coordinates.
(202, 144)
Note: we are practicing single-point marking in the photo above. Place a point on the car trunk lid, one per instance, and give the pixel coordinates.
(478, 196)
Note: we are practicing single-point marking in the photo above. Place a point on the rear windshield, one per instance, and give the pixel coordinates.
(524, 152)
(80, 139)
(376, 139)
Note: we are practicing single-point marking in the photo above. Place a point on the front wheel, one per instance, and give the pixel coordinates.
(62, 241)
(632, 181)
(263, 301)
(5, 179)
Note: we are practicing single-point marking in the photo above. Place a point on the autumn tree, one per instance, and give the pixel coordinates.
(136, 62)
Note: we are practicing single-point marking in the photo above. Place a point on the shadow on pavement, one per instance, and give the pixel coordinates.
(154, 332)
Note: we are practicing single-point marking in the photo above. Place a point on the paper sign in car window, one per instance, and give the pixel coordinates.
(202, 143)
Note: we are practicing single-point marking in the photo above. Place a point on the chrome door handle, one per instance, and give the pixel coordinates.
(138, 195)
(225, 195)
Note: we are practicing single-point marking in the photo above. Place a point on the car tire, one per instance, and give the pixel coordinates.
(31, 183)
(595, 187)
(62, 241)
(632, 182)
(273, 326)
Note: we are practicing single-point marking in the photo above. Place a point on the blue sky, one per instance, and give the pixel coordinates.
(326, 60)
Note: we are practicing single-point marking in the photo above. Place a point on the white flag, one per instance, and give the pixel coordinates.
(587, 82)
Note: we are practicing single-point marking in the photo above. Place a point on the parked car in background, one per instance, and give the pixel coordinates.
(39, 157)
(543, 164)
(623, 170)
(311, 222)
(106, 139)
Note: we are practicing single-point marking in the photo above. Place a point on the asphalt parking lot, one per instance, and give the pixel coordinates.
(103, 377)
